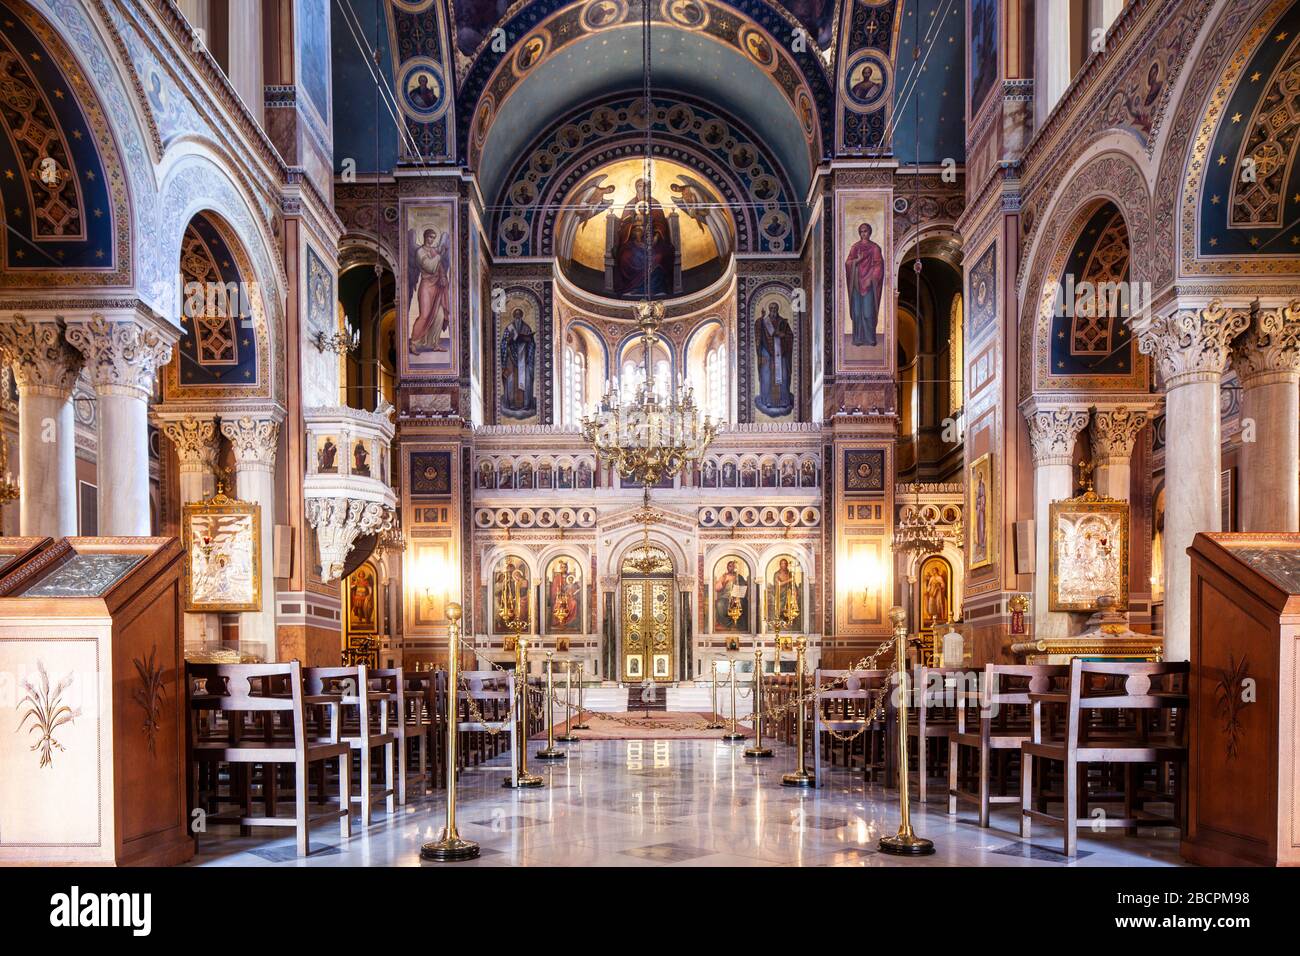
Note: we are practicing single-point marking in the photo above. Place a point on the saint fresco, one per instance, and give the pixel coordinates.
(865, 336)
(936, 592)
(511, 589)
(564, 596)
(363, 615)
(980, 491)
(517, 360)
(774, 356)
(731, 594)
(783, 593)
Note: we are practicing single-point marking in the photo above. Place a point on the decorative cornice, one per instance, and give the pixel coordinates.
(43, 361)
(1053, 430)
(120, 354)
(1191, 345)
(1269, 351)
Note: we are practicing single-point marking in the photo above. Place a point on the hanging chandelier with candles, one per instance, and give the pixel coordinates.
(651, 436)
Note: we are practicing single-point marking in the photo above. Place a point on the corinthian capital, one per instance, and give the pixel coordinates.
(43, 362)
(1269, 351)
(1191, 345)
(253, 440)
(120, 355)
(1114, 430)
(339, 522)
(193, 439)
(1053, 430)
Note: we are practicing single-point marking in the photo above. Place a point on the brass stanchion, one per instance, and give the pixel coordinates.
(733, 733)
(714, 723)
(758, 750)
(567, 737)
(523, 778)
(904, 842)
(580, 725)
(550, 751)
(800, 777)
(449, 847)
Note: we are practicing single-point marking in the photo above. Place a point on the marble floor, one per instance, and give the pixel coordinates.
(682, 803)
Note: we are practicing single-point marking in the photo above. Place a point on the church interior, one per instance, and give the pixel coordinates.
(695, 432)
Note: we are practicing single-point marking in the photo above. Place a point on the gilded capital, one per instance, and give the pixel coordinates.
(1269, 351)
(1114, 430)
(1191, 345)
(42, 360)
(1053, 430)
(194, 441)
(120, 355)
(253, 440)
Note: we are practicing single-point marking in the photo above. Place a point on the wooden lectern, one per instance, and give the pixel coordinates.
(1243, 797)
(93, 753)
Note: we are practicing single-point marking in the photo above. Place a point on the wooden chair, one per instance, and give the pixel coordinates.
(492, 718)
(1144, 733)
(233, 692)
(1000, 707)
(848, 710)
(934, 704)
(362, 734)
(419, 753)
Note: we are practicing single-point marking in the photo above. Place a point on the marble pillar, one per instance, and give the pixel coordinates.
(1267, 361)
(122, 358)
(195, 442)
(1053, 430)
(254, 442)
(45, 369)
(1114, 430)
(245, 32)
(1052, 72)
(1190, 347)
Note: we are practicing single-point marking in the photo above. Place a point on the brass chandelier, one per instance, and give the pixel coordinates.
(651, 437)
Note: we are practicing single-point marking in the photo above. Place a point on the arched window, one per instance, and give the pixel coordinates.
(715, 380)
(633, 374)
(575, 384)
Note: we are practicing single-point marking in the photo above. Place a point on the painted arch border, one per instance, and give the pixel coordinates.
(1106, 174)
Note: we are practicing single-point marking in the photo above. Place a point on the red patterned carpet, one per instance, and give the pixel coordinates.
(642, 725)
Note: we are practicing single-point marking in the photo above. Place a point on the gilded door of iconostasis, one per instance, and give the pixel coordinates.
(646, 589)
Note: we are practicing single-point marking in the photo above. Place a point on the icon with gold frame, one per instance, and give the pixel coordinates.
(223, 554)
(1089, 553)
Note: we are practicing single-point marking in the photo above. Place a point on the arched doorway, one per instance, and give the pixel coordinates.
(647, 619)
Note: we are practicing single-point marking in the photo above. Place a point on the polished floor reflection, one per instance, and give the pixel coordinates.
(684, 803)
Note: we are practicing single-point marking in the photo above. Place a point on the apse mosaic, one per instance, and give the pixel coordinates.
(1251, 177)
(713, 156)
(65, 196)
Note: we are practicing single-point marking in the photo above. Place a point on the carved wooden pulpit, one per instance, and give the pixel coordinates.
(1244, 800)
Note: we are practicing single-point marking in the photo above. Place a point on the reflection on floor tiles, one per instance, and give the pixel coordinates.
(682, 803)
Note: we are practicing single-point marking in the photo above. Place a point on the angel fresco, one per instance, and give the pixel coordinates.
(592, 199)
(692, 197)
(431, 298)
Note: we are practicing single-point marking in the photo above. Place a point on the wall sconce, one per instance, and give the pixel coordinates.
(339, 342)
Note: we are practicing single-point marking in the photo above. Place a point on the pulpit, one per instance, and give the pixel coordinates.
(1244, 801)
(93, 747)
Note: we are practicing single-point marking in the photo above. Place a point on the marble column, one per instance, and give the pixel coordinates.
(1053, 430)
(45, 369)
(195, 442)
(254, 442)
(245, 32)
(1267, 361)
(1190, 347)
(1114, 430)
(1052, 72)
(122, 358)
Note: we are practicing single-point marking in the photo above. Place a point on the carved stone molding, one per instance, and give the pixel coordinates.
(1191, 345)
(194, 440)
(121, 356)
(253, 440)
(1053, 430)
(1269, 351)
(43, 362)
(1114, 430)
(339, 522)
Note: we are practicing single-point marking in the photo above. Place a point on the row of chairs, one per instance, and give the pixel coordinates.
(1077, 735)
(331, 737)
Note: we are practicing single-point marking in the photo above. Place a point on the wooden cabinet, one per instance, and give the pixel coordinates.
(1244, 803)
(94, 750)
